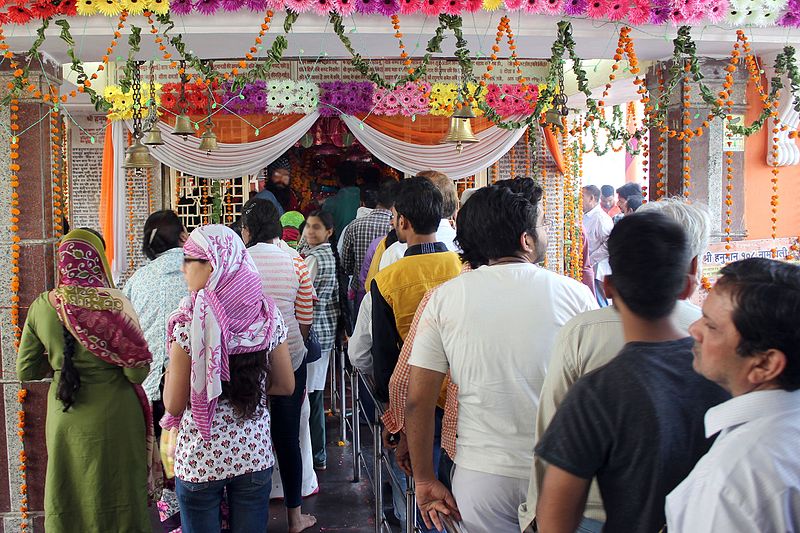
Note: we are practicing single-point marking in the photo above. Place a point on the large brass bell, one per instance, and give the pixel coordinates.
(461, 128)
(138, 156)
(208, 141)
(153, 137)
(183, 126)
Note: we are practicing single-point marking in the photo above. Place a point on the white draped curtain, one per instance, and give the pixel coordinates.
(493, 143)
(230, 160)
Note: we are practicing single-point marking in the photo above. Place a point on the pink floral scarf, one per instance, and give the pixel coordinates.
(229, 316)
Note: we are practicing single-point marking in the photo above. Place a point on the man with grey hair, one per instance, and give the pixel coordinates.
(592, 339)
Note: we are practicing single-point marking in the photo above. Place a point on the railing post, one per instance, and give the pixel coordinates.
(332, 378)
(378, 488)
(342, 394)
(356, 426)
(411, 506)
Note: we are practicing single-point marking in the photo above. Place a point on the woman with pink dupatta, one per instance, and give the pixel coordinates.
(227, 354)
(99, 428)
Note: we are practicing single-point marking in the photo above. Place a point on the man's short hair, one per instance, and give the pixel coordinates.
(693, 218)
(634, 202)
(629, 189)
(347, 173)
(527, 187)
(766, 298)
(446, 187)
(592, 191)
(607, 191)
(490, 224)
(386, 191)
(649, 256)
(420, 202)
(369, 197)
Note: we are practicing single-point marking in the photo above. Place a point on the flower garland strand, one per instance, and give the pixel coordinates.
(775, 171)
(55, 124)
(23, 460)
(661, 185)
(14, 167)
(686, 168)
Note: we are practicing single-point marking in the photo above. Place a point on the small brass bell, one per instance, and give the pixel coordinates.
(461, 128)
(552, 118)
(208, 141)
(138, 156)
(183, 126)
(153, 137)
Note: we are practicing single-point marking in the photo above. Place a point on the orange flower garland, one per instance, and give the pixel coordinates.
(775, 171)
(129, 189)
(23, 460)
(527, 154)
(14, 167)
(496, 171)
(687, 139)
(504, 29)
(254, 48)
(512, 155)
(55, 123)
(661, 185)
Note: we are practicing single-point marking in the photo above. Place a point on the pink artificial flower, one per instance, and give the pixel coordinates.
(618, 9)
(453, 7)
(553, 7)
(716, 10)
(639, 12)
(513, 5)
(344, 7)
(322, 7)
(257, 6)
(432, 8)
(533, 6)
(409, 7)
(298, 6)
(473, 5)
(598, 9)
(685, 11)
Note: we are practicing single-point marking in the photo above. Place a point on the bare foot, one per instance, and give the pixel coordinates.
(299, 522)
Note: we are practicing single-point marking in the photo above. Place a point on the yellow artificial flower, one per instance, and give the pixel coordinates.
(86, 7)
(134, 7)
(159, 7)
(110, 92)
(492, 5)
(109, 8)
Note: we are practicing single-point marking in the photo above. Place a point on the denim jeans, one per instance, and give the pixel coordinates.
(589, 525)
(285, 413)
(316, 421)
(248, 501)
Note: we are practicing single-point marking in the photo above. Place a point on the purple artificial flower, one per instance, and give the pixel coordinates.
(576, 8)
(257, 6)
(259, 101)
(659, 12)
(206, 7)
(180, 7)
(387, 7)
(232, 5)
(366, 7)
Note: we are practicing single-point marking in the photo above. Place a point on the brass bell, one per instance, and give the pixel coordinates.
(138, 156)
(208, 141)
(552, 118)
(461, 128)
(153, 137)
(183, 126)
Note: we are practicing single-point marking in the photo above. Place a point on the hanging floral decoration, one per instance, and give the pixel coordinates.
(249, 100)
(285, 96)
(23, 461)
(121, 102)
(444, 98)
(349, 98)
(408, 100)
(511, 99)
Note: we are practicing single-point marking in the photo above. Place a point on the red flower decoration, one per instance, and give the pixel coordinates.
(43, 9)
(18, 14)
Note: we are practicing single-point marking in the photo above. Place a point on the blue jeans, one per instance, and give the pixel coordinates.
(285, 412)
(248, 502)
(589, 525)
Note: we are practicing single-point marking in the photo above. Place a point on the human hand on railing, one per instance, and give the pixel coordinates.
(402, 456)
(389, 439)
(433, 499)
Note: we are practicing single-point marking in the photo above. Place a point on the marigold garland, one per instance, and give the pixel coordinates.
(775, 171)
(687, 139)
(55, 124)
(14, 167)
(23, 460)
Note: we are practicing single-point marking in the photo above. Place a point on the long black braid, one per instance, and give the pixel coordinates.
(344, 325)
(70, 381)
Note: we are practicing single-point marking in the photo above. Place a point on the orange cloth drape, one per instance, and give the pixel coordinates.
(107, 195)
(231, 129)
(551, 142)
(425, 129)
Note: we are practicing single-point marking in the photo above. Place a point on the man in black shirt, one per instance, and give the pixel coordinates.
(635, 424)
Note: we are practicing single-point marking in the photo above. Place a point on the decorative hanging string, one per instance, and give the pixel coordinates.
(14, 167)
(23, 461)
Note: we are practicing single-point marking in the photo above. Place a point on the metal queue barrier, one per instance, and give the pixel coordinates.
(350, 421)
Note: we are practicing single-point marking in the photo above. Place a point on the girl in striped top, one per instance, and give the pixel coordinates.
(286, 280)
(330, 312)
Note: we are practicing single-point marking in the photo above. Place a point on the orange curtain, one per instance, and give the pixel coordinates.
(552, 144)
(231, 129)
(107, 195)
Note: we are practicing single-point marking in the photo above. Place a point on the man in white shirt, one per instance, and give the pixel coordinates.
(446, 232)
(592, 339)
(748, 343)
(597, 225)
(493, 329)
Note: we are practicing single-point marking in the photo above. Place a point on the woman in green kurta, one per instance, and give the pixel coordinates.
(97, 427)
